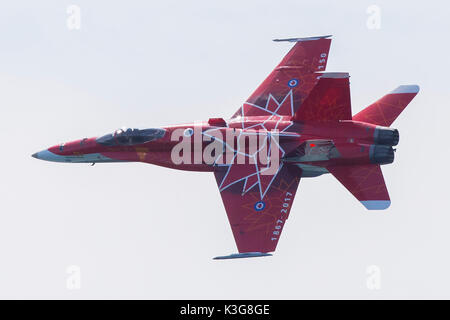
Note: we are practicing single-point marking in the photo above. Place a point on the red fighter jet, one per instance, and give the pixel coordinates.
(298, 123)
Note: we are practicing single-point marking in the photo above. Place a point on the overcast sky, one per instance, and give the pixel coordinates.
(140, 231)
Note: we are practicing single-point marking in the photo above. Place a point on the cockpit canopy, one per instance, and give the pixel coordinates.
(129, 137)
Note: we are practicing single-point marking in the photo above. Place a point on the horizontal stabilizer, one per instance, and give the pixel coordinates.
(384, 111)
(365, 182)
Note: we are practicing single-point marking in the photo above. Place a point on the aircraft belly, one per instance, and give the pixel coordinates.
(309, 171)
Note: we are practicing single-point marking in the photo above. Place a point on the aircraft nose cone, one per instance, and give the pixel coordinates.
(48, 156)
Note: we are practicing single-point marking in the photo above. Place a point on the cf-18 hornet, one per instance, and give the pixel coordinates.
(297, 124)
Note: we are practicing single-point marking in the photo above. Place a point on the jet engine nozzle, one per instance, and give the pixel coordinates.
(381, 154)
(387, 136)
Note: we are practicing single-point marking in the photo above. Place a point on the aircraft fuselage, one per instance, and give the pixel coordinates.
(309, 144)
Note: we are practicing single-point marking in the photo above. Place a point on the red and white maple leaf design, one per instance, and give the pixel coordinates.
(252, 171)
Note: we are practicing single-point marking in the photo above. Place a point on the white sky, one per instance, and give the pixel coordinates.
(141, 231)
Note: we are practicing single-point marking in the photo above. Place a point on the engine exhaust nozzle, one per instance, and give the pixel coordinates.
(386, 136)
(381, 154)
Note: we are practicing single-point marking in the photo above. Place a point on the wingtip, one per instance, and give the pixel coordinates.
(410, 88)
(243, 255)
(376, 204)
(333, 75)
(302, 39)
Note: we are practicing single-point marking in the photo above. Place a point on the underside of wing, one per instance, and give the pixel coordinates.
(284, 90)
(257, 221)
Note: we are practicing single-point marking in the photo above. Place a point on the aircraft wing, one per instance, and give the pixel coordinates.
(257, 221)
(287, 86)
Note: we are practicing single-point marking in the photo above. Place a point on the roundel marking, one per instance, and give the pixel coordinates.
(188, 132)
(293, 83)
(260, 205)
